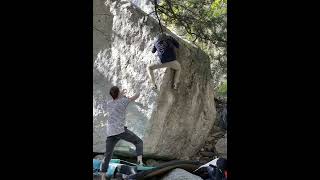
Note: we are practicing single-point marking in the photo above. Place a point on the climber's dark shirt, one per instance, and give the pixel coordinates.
(165, 48)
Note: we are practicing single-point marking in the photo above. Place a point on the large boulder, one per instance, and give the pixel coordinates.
(172, 123)
(180, 174)
(102, 27)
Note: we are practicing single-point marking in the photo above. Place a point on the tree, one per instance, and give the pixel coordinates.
(204, 22)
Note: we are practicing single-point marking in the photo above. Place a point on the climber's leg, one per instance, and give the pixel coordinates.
(110, 144)
(177, 67)
(134, 139)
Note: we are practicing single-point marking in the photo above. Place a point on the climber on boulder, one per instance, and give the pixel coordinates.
(116, 130)
(166, 46)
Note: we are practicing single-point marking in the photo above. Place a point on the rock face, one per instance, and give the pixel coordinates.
(221, 147)
(172, 123)
(145, 5)
(180, 174)
(102, 28)
(218, 133)
(221, 108)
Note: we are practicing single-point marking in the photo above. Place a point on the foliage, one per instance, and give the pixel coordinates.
(204, 22)
(222, 89)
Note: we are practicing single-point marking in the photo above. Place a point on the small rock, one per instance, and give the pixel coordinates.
(152, 162)
(206, 149)
(180, 174)
(218, 134)
(217, 129)
(210, 147)
(221, 147)
(207, 154)
(210, 138)
(185, 158)
(202, 149)
(205, 159)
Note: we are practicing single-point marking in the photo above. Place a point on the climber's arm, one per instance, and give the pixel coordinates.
(133, 98)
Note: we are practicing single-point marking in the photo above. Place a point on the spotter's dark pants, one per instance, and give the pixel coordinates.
(111, 142)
